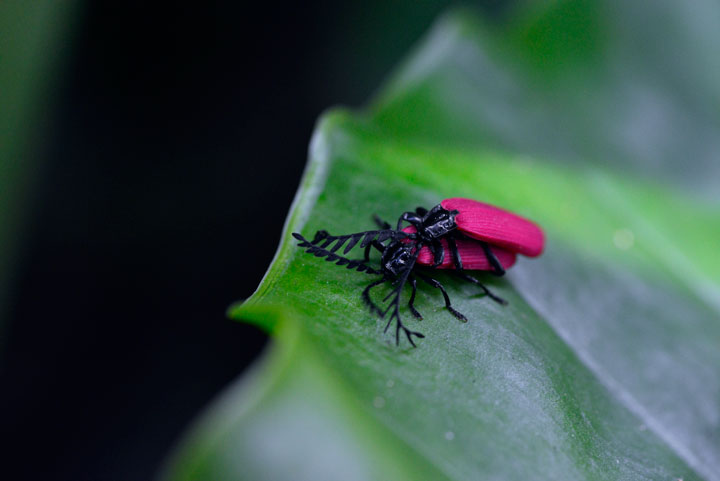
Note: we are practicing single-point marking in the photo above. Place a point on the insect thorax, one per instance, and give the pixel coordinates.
(438, 222)
(397, 257)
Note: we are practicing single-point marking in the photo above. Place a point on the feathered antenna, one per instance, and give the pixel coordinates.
(394, 304)
(330, 256)
(326, 246)
(351, 240)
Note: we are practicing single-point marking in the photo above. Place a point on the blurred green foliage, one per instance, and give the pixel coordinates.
(605, 364)
(33, 39)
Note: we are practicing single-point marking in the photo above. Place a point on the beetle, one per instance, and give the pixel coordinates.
(458, 234)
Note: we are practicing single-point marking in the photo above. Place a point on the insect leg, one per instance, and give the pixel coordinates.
(494, 262)
(498, 269)
(410, 217)
(381, 223)
(414, 311)
(437, 284)
(376, 244)
(366, 297)
(492, 296)
(455, 253)
(438, 253)
(421, 211)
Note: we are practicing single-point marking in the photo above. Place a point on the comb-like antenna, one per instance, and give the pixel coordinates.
(335, 242)
(330, 256)
(394, 304)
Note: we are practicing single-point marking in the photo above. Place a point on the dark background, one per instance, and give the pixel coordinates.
(172, 153)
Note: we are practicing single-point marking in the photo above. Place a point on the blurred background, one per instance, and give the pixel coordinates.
(150, 152)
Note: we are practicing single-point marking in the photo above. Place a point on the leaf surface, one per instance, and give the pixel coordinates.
(606, 362)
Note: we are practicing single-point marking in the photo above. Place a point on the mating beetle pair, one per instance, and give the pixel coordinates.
(457, 234)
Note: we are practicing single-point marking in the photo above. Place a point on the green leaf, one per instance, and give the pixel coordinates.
(606, 362)
(33, 38)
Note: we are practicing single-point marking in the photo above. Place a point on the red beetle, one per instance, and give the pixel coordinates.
(506, 233)
(457, 234)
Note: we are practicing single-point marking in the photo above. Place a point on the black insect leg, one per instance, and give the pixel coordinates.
(421, 211)
(414, 311)
(376, 244)
(366, 297)
(438, 253)
(494, 262)
(410, 217)
(492, 296)
(381, 223)
(437, 284)
(455, 253)
(498, 269)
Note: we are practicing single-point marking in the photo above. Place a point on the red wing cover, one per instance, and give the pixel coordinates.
(471, 254)
(497, 226)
